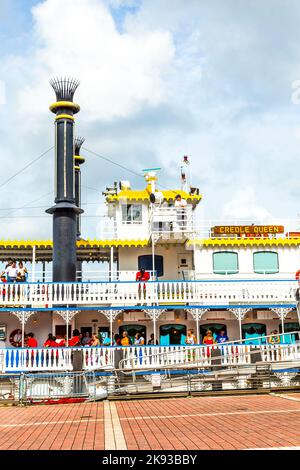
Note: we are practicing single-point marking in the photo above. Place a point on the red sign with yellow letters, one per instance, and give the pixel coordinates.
(247, 229)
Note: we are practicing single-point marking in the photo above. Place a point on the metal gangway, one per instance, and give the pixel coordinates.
(228, 369)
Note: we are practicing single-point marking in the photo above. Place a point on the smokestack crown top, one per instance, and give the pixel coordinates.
(78, 141)
(64, 88)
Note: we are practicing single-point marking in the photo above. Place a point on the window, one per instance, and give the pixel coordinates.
(225, 262)
(289, 327)
(251, 331)
(265, 262)
(145, 262)
(172, 334)
(132, 213)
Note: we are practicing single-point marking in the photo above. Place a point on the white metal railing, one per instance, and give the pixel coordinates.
(206, 292)
(140, 357)
(171, 220)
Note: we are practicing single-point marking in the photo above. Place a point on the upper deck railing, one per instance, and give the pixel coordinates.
(131, 293)
(171, 222)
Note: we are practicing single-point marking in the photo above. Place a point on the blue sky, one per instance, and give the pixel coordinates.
(159, 79)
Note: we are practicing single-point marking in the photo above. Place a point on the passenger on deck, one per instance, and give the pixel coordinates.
(190, 338)
(86, 340)
(180, 205)
(117, 340)
(208, 338)
(222, 337)
(22, 272)
(142, 276)
(31, 341)
(139, 340)
(275, 338)
(50, 342)
(75, 340)
(125, 341)
(3, 289)
(151, 340)
(95, 341)
(12, 272)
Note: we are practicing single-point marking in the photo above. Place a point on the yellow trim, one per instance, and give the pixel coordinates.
(64, 104)
(79, 159)
(64, 116)
(114, 243)
(80, 244)
(77, 167)
(143, 195)
(245, 242)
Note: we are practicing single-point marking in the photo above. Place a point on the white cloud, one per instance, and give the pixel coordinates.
(119, 73)
(244, 206)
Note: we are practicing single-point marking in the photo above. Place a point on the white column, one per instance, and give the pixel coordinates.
(282, 313)
(282, 324)
(239, 314)
(23, 328)
(197, 327)
(197, 314)
(240, 328)
(67, 327)
(153, 255)
(67, 316)
(154, 315)
(33, 263)
(111, 327)
(111, 263)
(154, 328)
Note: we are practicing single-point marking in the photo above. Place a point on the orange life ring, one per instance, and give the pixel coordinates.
(12, 340)
(297, 275)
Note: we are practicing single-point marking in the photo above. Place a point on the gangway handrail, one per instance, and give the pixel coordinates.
(211, 346)
(199, 365)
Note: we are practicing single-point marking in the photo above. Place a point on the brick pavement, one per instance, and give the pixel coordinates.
(228, 422)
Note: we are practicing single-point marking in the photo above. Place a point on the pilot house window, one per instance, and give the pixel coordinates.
(132, 213)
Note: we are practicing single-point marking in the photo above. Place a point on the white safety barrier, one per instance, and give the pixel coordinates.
(133, 293)
(142, 357)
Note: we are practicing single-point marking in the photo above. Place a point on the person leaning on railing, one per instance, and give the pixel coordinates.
(209, 340)
(142, 276)
(125, 341)
(75, 340)
(191, 340)
(181, 204)
(275, 338)
(3, 289)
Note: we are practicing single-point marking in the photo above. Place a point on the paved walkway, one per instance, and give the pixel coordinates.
(240, 422)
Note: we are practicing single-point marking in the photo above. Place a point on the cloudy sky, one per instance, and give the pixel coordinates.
(212, 79)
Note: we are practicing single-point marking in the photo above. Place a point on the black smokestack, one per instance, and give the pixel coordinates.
(65, 209)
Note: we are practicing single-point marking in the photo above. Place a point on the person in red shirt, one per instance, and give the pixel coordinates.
(3, 289)
(31, 341)
(142, 276)
(75, 340)
(50, 342)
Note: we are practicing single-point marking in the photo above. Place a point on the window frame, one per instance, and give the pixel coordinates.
(263, 272)
(224, 272)
(158, 260)
(130, 220)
